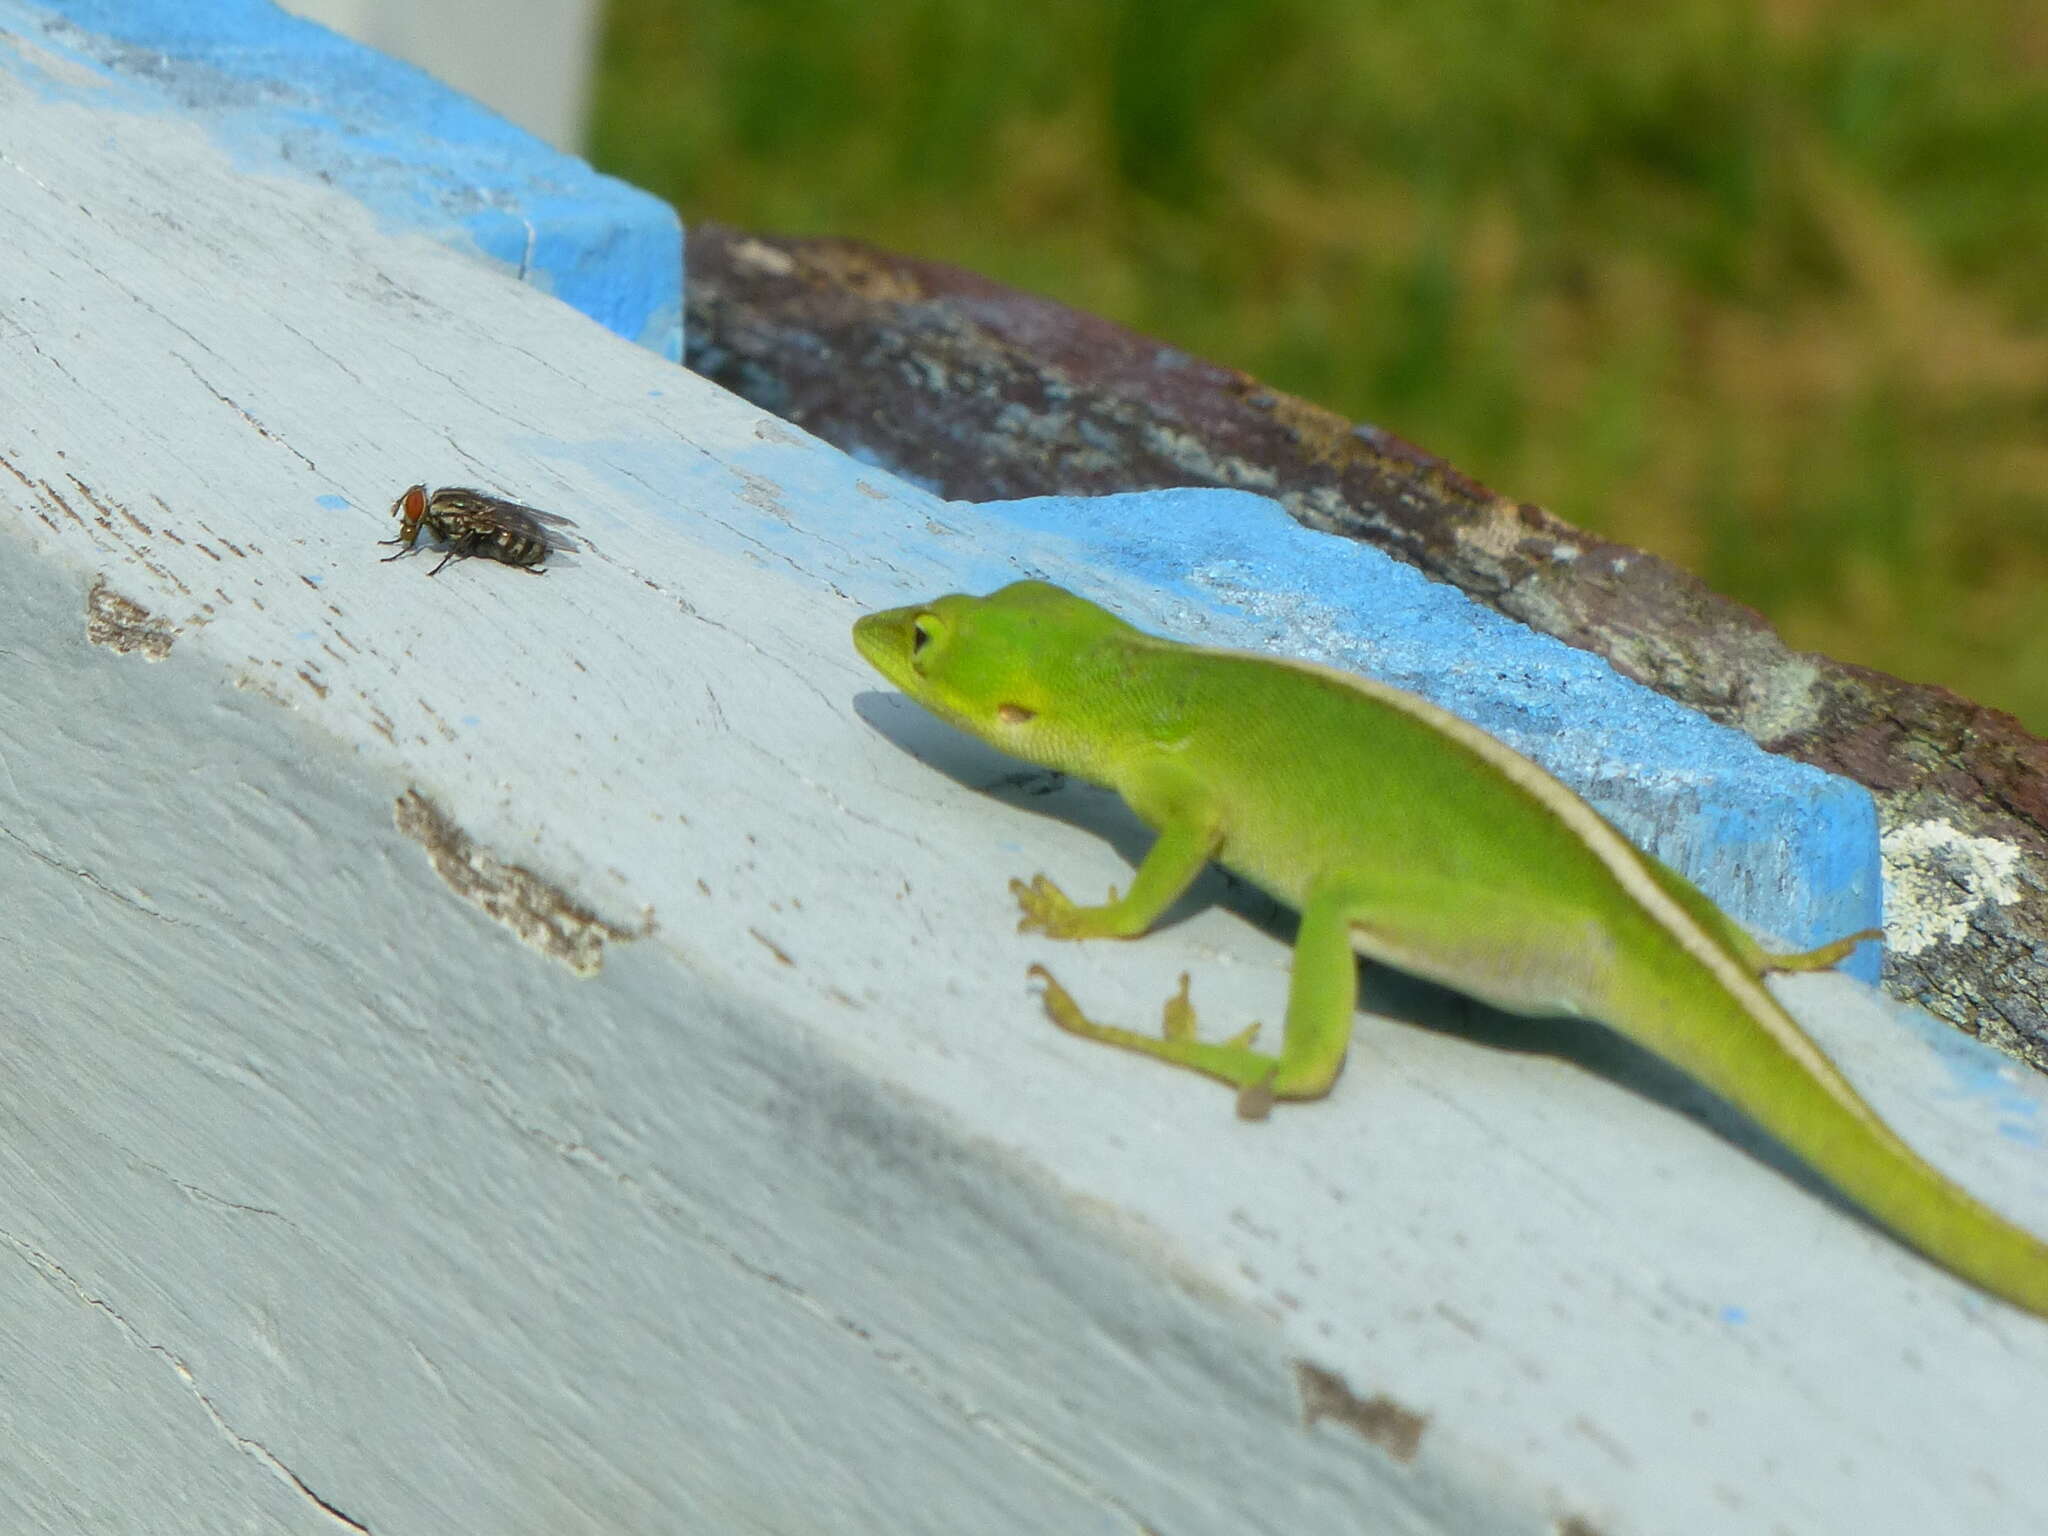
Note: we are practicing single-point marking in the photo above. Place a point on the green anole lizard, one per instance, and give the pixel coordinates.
(1410, 836)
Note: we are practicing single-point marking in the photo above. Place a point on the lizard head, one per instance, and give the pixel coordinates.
(1008, 667)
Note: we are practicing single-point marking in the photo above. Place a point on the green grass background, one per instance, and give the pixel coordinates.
(1760, 286)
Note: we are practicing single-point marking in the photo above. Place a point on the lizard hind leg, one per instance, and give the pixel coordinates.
(1232, 1061)
(1320, 999)
(1826, 957)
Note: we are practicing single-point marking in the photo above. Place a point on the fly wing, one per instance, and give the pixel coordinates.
(487, 511)
(534, 514)
(547, 527)
(544, 526)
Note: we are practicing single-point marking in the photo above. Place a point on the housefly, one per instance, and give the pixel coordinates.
(472, 522)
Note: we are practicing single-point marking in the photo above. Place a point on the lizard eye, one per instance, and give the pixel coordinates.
(922, 630)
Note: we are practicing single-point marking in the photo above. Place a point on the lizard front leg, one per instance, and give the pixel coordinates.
(1175, 859)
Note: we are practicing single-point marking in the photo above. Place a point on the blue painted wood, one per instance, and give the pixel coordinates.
(288, 96)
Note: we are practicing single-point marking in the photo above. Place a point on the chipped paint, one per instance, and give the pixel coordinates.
(122, 624)
(543, 916)
(1395, 1429)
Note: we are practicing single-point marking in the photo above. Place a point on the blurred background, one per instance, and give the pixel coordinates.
(1757, 284)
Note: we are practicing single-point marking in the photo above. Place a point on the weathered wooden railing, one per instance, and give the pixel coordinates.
(513, 1053)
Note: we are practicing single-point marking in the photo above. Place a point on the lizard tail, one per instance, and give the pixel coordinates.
(1752, 1053)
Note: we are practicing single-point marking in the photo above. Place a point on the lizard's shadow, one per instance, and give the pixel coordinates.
(1409, 1000)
